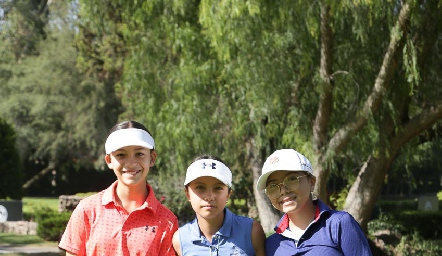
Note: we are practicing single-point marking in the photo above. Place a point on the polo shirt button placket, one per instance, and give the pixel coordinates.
(213, 250)
(213, 246)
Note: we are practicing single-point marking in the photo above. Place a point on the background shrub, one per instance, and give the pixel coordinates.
(404, 237)
(51, 223)
(427, 224)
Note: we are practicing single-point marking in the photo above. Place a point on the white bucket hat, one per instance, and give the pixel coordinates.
(283, 160)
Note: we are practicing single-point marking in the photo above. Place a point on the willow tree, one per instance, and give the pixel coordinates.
(348, 77)
(362, 75)
(348, 84)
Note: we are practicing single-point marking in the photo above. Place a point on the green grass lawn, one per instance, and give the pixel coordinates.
(29, 203)
(14, 239)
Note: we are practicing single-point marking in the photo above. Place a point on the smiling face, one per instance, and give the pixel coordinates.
(208, 197)
(291, 201)
(131, 164)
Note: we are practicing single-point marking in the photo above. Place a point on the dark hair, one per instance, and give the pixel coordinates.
(129, 124)
(209, 157)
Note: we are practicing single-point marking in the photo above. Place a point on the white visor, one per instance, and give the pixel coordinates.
(211, 168)
(128, 137)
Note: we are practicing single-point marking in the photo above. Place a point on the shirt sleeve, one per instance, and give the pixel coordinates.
(74, 236)
(351, 237)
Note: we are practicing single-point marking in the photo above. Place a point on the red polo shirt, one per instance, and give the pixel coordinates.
(99, 226)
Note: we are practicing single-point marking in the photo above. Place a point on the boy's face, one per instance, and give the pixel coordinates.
(131, 164)
(291, 200)
(208, 196)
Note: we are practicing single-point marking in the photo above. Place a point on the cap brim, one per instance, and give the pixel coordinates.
(262, 180)
(215, 175)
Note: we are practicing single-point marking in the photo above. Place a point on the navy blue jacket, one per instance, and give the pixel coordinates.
(332, 233)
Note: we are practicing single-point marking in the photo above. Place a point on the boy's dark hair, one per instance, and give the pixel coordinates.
(209, 157)
(127, 125)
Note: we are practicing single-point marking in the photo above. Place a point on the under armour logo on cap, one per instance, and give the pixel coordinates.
(211, 168)
(204, 165)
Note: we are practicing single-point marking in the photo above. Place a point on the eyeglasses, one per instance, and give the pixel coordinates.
(290, 183)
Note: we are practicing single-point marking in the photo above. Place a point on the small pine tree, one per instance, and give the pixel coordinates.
(10, 164)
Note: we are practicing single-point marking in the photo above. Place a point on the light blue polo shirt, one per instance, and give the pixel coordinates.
(233, 238)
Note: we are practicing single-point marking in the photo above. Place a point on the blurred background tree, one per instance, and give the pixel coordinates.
(10, 164)
(61, 115)
(353, 85)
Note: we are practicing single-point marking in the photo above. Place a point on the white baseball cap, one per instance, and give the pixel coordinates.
(128, 137)
(283, 160)
(211, 168)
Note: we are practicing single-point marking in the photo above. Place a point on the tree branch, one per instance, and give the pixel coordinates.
(418, 124)
(326, 99)
(374, 100)
(39, 175)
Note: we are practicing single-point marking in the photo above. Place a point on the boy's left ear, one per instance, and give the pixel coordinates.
(230, 193)
(107, 158)
(153, 157)
(312, 181)
(187, 194)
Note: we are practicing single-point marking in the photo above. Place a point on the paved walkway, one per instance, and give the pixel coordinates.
(30, 250)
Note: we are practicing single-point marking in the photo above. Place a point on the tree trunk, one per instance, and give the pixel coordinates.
(324, 112)
(363, 193)
(322, 173)
(342, 137)
(268, 216)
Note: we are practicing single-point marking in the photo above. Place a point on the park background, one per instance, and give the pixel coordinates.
(354, 85)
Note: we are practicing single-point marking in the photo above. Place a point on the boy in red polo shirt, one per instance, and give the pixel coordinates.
(126, 218)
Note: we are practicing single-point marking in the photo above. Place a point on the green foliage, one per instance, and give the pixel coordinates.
(412, 245)
(51, 224)
(386, 222)
(24, 26)
(427, 224)
(416, 171)
(60, 114)
(338, 199)
(171, 194)
(404, 240)
(219, 76)
(236, 79)
(10, 164)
